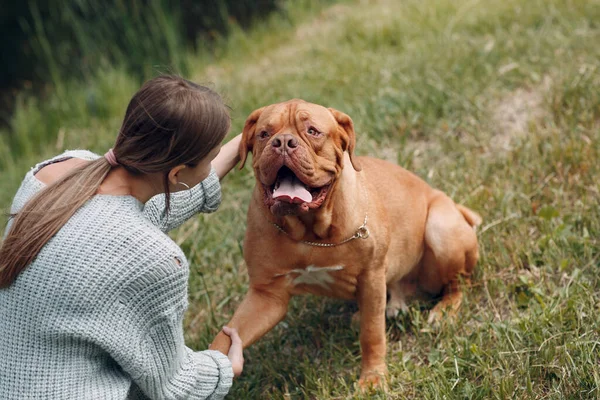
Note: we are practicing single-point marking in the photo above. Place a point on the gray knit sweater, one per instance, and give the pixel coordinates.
(98, 314)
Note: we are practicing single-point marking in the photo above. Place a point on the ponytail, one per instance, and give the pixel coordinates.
(44, 214)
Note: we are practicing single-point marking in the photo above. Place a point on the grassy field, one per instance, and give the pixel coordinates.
(495, 102)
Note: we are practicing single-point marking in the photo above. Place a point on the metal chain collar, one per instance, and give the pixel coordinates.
(361, 233)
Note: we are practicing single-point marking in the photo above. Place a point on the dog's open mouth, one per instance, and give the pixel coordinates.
(290, 196)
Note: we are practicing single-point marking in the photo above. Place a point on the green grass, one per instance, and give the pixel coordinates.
(497, 103)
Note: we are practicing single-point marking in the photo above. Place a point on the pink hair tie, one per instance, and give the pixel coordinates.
(110, 157)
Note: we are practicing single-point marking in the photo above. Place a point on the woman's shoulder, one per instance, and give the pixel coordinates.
(31, 185)
(67, 154)
(77, 153)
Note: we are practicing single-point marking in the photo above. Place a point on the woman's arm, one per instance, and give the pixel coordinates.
(228, 157)
(146, 339)
(205, 197)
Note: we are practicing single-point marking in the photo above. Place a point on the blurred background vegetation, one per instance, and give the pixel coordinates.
(50, 41)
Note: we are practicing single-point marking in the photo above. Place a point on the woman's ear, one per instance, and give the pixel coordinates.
(348, 136)
(173, 174)
(248, 135)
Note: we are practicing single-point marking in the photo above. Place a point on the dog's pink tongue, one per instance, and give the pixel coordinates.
(290, 189)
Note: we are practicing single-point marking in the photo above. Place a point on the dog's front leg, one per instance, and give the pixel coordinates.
(371, 303)
(258, 313)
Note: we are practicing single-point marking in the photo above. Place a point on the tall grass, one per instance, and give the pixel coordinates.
(76, 37)
(497, 103)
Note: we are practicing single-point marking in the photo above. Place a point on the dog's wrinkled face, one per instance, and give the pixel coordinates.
(298, 152)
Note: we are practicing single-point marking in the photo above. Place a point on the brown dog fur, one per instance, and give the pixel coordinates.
(419, 242)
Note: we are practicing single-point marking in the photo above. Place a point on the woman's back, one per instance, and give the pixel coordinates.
(101, 303)
(55, 314)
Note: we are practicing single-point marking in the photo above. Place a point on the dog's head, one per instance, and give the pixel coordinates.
(298, 153)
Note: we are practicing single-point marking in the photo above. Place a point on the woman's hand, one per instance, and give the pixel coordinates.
(228, 157)
(235, 355)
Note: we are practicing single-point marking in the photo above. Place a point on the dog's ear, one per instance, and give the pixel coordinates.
(248, 135)
(347, 135)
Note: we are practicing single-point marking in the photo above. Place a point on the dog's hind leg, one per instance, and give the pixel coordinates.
(449, 304)
(450, 255)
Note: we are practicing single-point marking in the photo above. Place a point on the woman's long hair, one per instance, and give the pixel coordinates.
(170, 121)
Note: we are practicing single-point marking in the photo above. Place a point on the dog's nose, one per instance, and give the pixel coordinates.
(291, 141)
(287, 141)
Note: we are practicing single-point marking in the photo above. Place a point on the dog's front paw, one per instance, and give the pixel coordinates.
(373, 380)
(395, 307)
(393, 311)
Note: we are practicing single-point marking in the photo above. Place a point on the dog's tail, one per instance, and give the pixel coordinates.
(470, 216)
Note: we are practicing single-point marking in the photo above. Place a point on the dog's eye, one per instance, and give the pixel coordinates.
(263, 134)
(312, 131)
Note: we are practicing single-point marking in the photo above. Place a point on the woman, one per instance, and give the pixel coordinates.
(93, 291)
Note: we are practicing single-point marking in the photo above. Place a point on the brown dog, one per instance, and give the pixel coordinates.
(324, 222)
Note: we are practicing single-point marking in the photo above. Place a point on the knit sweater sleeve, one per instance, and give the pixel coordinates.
(205, 197)
(151, 345)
